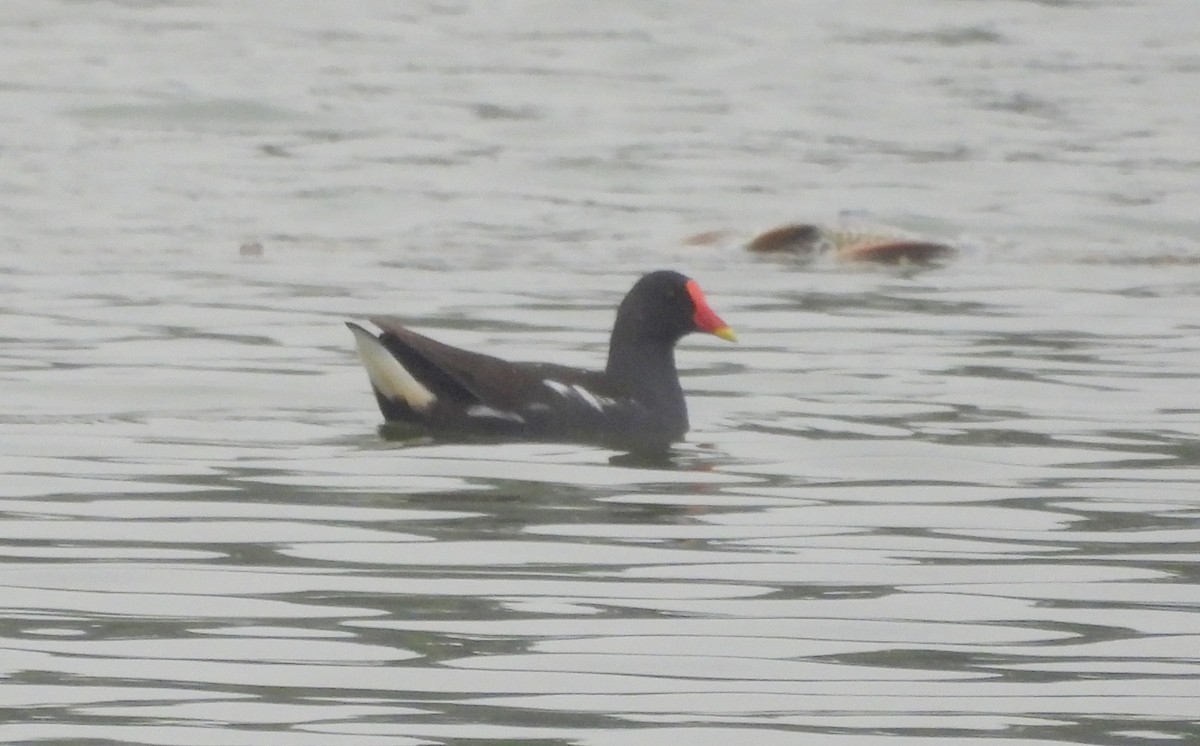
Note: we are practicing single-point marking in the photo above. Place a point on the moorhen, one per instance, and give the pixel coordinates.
(635, 403)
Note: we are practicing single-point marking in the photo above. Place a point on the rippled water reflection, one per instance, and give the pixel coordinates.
(941, 506)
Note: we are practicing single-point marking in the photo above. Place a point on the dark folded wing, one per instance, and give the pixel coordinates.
(473, 377)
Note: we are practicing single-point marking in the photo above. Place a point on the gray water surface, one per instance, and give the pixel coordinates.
(945, 505)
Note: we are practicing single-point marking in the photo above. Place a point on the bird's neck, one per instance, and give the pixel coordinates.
(646, 369)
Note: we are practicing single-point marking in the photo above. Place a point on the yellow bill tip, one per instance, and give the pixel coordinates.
(725, 333)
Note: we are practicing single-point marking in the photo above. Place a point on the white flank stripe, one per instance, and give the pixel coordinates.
(483, 410)
(577, 391)
(387, 374)
(561, 389)
(595, 402)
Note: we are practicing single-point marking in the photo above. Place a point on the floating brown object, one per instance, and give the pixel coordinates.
(896, 251)
(809, 241)
(797, 238)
